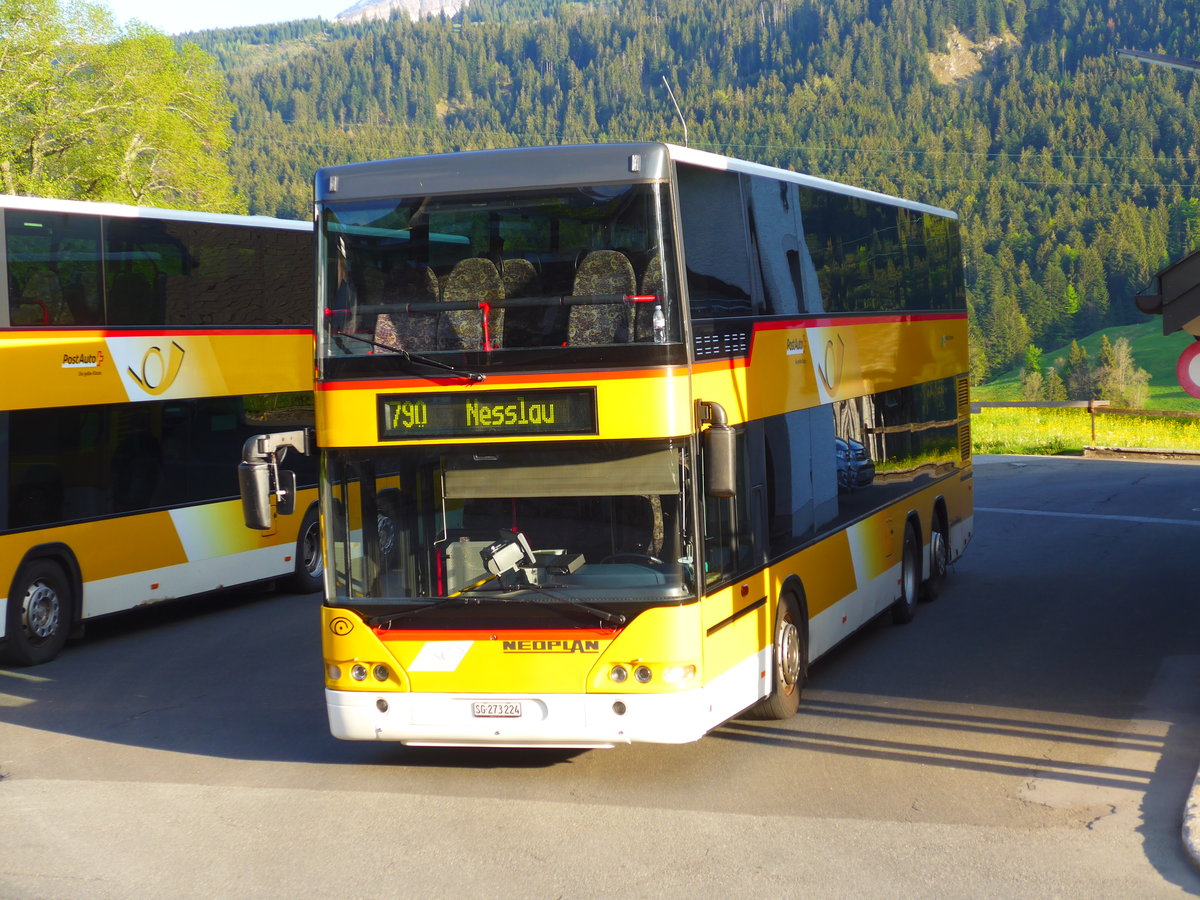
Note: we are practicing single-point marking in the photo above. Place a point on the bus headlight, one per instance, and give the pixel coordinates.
(618, 674)
(358, 672)
(381, 673)
(334, 672)
(643, 674)
(679, 674)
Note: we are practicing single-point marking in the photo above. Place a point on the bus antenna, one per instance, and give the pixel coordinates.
(671, 94)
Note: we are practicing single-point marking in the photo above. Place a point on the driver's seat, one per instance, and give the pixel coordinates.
(638, 526)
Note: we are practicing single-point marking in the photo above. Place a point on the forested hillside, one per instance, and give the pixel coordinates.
(1075, 172)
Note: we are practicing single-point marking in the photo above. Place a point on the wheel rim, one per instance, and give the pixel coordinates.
(787, 655)
(41, 609)
(311, 550)
(938, 551)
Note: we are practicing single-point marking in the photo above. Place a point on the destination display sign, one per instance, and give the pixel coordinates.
(487, 414)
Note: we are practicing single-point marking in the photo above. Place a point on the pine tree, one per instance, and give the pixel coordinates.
(1055, 390)
(1078, 374)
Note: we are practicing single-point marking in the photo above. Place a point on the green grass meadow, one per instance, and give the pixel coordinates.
(1068, 431)
(1151, 351)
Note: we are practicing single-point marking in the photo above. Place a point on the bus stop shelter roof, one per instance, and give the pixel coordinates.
(1174, 293)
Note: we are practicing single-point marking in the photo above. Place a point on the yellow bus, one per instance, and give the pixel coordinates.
(139, 348)
(617, 439)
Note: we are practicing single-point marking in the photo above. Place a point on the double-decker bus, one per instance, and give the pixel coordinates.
(139, 348)
(617, 439)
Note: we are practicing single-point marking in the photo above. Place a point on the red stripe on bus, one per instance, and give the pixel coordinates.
(526, 380)
(524, 634)
(836, 321)
(69, 333)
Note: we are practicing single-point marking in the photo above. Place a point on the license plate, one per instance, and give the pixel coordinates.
(496, 709)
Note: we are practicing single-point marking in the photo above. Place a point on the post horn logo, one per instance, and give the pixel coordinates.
(158, 373)
(830, 370)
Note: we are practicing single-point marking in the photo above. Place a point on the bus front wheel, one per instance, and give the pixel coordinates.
(905, 607)
(40, 605)
(789, 663)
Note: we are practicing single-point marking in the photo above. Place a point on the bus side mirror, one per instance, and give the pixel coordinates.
(259, 476)
(254, 479)
(720, 452)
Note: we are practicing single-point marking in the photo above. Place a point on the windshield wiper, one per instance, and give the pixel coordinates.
(375, 621)
(414, 358)
(550, 599)
(464, 599)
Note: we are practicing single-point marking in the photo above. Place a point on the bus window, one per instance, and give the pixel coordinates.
(789, 280)
(582, 266)
(53, 268)
(718, 263)
(728, 531)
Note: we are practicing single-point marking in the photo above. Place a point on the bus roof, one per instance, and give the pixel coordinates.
(120, 210)
(556, 166)
(732, 164)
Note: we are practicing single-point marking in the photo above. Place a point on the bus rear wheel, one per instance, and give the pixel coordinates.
(939, 564)
(310, 560)
(40, 605)
(789, 664)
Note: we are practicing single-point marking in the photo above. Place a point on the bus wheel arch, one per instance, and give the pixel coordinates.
(43, 605)
(310, 555)
(905, 606)
(939, 552)
(789, 655)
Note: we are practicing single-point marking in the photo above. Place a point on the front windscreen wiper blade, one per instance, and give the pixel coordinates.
(549, 599)
(376, 621)
(414, 358)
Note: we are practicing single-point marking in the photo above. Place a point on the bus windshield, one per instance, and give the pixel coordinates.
(579, 266)
(607, 522)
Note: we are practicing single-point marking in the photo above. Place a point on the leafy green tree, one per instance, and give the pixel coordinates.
(1118, 377)
(90, 111)
(1033, 385)
(1033, 359)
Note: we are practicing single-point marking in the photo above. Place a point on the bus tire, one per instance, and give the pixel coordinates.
(905, 606)
(939, 561)
(789, 668)
(40, 607)
(310, 559)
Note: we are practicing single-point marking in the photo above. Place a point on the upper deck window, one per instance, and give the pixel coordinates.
(572, 267)
(78, 269)
(714, 238)
(874, 257)
(54, 273)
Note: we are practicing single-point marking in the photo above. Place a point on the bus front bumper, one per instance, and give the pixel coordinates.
(548, 720)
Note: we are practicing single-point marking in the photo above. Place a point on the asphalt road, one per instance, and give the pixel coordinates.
(1034, 733)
